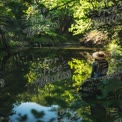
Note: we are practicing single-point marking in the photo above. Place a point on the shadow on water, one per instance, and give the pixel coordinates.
(44, 76)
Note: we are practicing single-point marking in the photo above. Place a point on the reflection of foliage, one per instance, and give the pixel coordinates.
(109, 88)
(37, 114)
(52, 90)
(60, 92)
(81, 71)
(116, 114)
(36, 71)
(22, 118)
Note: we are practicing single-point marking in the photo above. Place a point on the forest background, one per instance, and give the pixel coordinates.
(50, 23)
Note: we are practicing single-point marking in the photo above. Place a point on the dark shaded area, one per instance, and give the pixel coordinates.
(14, 68)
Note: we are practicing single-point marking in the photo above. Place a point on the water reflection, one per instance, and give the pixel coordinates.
(33, 112)
(52, 77)
(48, 71)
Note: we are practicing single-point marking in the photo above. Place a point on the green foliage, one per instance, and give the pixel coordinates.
(15, 43)
(27, 20)
(82, 22)
(36, 73)
(45, 18)
(115, 60)
(10, 22)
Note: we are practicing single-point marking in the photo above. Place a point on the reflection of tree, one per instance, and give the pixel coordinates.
(62, 92)
(14, 84)
(81, 71)
(59, 92)
(98, 110)
(51, 90)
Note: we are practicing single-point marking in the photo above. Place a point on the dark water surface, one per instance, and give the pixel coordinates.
(43, 76)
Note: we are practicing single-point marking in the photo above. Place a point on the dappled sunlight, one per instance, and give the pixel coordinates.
(97, 37)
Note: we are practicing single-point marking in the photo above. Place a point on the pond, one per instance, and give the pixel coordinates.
(45, 77)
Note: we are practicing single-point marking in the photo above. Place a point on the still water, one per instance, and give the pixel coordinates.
(46, 79)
